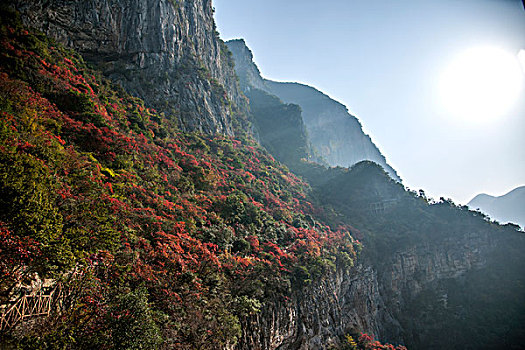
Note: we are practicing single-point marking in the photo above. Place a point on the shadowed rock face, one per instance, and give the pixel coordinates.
(417, 296)
(336, 136)
(507, 208)
(166, 52)
(430, 277)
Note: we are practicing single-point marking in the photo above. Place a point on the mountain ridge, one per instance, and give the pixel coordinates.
(509, 207)
(346, 144)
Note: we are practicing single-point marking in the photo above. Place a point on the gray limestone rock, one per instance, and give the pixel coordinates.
(166, 52)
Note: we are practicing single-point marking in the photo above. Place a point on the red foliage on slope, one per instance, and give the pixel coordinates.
(201, 222)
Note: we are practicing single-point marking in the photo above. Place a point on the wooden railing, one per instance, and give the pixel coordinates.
(27, 307)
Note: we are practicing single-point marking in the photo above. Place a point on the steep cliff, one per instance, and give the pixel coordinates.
(166, 52)
(159, 239)
(446, 274)
(336, 136)
(280, 127)
(432, 276)
(430, 295)
(346, 301)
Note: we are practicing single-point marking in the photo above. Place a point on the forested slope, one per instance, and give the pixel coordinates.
(163, 238)
(151, 229)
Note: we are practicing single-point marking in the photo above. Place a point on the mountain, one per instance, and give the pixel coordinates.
(122, 229)
(507, 208)
(439, 266)
(140, 236)
(165, 52)
(335, 135)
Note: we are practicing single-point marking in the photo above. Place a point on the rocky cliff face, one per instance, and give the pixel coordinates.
(335, 135)
(166, 52)
(247, 71)
(319, 316)
(418, 296)
(421, 272)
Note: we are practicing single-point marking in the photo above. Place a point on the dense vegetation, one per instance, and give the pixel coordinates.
(483, 308)
(163, 237)
(159, 236)
(392, 220)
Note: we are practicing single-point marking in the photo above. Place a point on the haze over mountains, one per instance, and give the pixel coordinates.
(507, 208)
(336, 136)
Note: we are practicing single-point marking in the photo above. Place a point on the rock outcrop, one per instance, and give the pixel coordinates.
(336, 136)
(319, 316)
(417, 296)
(166, 52)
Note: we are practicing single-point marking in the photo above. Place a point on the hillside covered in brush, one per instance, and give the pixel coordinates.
(174, 228)
(161, 236)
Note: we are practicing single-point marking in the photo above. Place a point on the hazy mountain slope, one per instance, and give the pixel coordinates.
(335, 135)
(507, 208)
(166, 52)
(451, 278)
(289, 142)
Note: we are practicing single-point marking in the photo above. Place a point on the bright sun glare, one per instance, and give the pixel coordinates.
(481, 84)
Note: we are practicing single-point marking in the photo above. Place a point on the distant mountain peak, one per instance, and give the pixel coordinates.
(509, 207)
(514, 192)
(336, 136)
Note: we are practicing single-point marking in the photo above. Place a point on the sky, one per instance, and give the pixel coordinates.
(385, 60)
